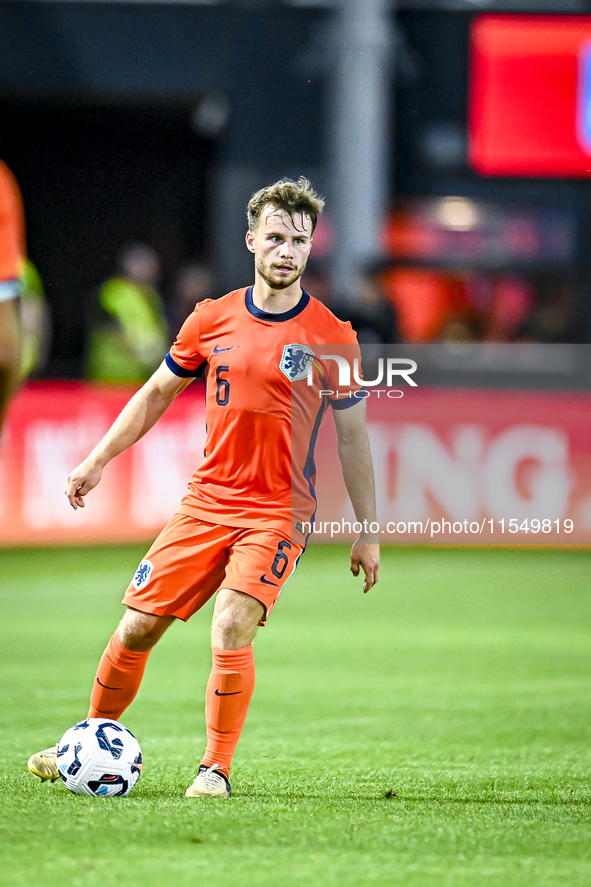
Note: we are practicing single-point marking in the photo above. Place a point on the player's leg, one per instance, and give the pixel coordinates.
(166, 573)
(118, 677)
(232, 678)
(123, 663)
(229, 688)
(260, 563)
(166, 585)
(236, 617)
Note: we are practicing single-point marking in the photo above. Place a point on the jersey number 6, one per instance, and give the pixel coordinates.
(281, 560)
(222, 394)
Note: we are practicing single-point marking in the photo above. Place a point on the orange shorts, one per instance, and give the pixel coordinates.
(191, 559)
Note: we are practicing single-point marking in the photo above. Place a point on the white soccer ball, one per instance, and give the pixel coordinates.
(99, 757)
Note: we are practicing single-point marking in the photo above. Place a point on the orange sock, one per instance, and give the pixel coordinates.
(117, 681)
(229, 691)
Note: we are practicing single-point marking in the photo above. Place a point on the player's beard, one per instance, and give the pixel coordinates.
(277, 282)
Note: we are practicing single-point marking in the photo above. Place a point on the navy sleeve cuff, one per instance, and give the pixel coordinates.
(346, 402)
(178, 370)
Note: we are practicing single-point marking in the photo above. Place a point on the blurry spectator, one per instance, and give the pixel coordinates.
(554, 317)
(12, 252)
(372, 316)
(458, 330)
(512, 303)
(128, 335)
(316, 282)
(194, 283)
(35, 320)
(500, 303)
(426, 301)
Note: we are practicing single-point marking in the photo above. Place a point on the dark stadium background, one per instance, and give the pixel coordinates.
(153, 121)
(434, 732)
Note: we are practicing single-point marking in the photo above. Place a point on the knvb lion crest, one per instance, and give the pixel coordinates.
(295, 361)
(143, 574)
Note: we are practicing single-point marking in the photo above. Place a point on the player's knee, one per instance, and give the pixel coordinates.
(229, 630)
(140, 631)
(235, 620)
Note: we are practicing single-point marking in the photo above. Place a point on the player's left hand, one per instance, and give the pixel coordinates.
(367, 556)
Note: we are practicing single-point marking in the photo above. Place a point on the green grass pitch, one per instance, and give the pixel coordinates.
(433, 733)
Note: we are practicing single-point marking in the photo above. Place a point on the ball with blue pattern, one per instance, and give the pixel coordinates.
(99, 757)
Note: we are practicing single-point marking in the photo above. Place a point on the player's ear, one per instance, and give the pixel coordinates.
(250, 241)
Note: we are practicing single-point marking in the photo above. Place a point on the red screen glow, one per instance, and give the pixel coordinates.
(530, 95)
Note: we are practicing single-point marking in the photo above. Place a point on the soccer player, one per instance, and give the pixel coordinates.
(241, 527)
(11, 257)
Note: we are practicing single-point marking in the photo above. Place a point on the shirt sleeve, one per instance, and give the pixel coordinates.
(184, 358)
(347, 390)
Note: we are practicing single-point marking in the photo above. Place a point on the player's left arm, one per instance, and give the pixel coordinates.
(355, 456)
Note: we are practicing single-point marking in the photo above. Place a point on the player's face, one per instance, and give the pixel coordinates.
(281, 246)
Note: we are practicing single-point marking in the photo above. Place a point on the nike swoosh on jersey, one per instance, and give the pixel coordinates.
(217, 350)
(268, 581)
(235, 693)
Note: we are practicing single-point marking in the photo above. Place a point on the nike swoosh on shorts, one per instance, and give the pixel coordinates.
(268, 581)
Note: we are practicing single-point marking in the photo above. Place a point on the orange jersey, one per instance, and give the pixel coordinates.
(262, 415)
(12, 248)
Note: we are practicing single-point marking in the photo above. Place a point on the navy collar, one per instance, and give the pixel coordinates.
(276, 318)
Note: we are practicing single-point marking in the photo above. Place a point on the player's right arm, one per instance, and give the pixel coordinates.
(137, 417)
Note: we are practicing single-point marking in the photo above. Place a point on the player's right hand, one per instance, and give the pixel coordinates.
(367, 556)
(81, 481)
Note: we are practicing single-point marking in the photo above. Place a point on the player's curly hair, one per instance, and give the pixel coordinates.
(290, 196)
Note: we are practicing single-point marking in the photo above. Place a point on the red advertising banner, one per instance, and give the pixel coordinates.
(471, 467)
(530, 95)
(52, 427)
(451, 465)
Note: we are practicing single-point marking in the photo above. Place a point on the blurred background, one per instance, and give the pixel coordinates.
(150, 124)
(451, 139)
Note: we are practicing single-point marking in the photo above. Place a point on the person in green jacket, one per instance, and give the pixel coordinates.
(35, 322)
(128, 331)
